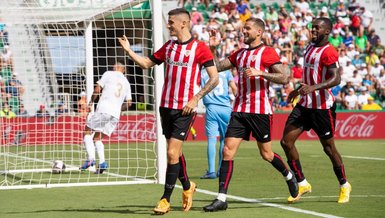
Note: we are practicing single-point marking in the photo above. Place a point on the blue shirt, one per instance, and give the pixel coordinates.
(220, 94)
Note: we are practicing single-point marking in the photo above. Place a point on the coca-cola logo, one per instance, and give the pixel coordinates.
(142, 129)
(355, 125)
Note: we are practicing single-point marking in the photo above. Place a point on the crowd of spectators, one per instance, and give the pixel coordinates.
(11, 88)
(362, 56)
(288, 26)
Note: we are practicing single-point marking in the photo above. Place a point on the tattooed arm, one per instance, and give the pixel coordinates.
(280, 74)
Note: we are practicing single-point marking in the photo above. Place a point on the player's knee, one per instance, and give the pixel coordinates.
(227, 153)
(172, 155)
(267, 156)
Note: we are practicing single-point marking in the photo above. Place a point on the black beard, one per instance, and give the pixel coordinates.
(319, 39)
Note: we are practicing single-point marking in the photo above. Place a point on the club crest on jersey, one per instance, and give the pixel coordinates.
(187, 53)
(254, 58)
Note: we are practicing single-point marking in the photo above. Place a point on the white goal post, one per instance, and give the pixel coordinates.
(52, 54)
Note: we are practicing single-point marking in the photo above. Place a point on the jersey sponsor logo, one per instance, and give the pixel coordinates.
(176, 63)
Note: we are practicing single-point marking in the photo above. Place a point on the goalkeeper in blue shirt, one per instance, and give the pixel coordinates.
(218, 112)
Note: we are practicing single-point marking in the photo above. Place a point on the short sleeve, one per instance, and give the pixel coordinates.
(329, 57)
(160, 56)
(233, 57)
(203, 54)
(270, 57)
(102, 82)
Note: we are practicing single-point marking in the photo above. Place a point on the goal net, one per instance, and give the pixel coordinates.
(52, 54)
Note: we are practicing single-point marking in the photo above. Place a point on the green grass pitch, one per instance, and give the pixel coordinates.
(253, 179)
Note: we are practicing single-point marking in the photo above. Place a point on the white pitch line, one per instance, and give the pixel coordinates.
(258, 201)
(363, 158)
(315, 197)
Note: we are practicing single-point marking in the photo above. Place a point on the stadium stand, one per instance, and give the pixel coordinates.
(288, 24)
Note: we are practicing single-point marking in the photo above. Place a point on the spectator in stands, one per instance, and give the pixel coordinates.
(259, 13)
(357, 78)
(349, 68)
(82, 104)
(303, 6)
(345, 89)
(6, 59)
(271, 15)
(348, 40)
(231, 6)
(361, 42)
(363, 97)
(336, 91)
(221, 16)
(204, 35)
(376, 69)
(371, 58)
(380, 87)
(351, 100)
(378, 48)
(61, 110)
(42, 112)
(6, 112)
(14, 87)
(22, 111)
(343, 58)
(323, 12)
(362, 70)
(336, 39)
(242, 6)
(283, 101)
(366, 19)
(196, 16)
(341, 13)
(371, 105)
(357, 61)
(368, 81)
(372, 37)
(296, 72)
(351, 51)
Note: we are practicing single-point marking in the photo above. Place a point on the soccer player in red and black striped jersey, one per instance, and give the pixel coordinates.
(316, 107)
(184, 58)
(257, 66)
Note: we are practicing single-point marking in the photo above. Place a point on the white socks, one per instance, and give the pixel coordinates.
(221, 197)
(90, 147)
(303, 183)
(289, 176)
(100, 149)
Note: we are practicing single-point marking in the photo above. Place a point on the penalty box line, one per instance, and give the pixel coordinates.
(258, 201)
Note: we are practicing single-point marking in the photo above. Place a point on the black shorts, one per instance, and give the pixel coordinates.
(322, 121)
(175, 125)
(242, 124)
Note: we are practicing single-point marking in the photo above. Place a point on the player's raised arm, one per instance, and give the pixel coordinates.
(143, 62)
(213, 43)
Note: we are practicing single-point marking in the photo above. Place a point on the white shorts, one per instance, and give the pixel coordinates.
(101, 122)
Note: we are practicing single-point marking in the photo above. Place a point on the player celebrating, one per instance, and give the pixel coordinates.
(184, 58)
(218, 112)
(316, 108)
(115, 89)
(257, 66)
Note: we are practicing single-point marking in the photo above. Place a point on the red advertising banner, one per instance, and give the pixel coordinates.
(69, 130)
